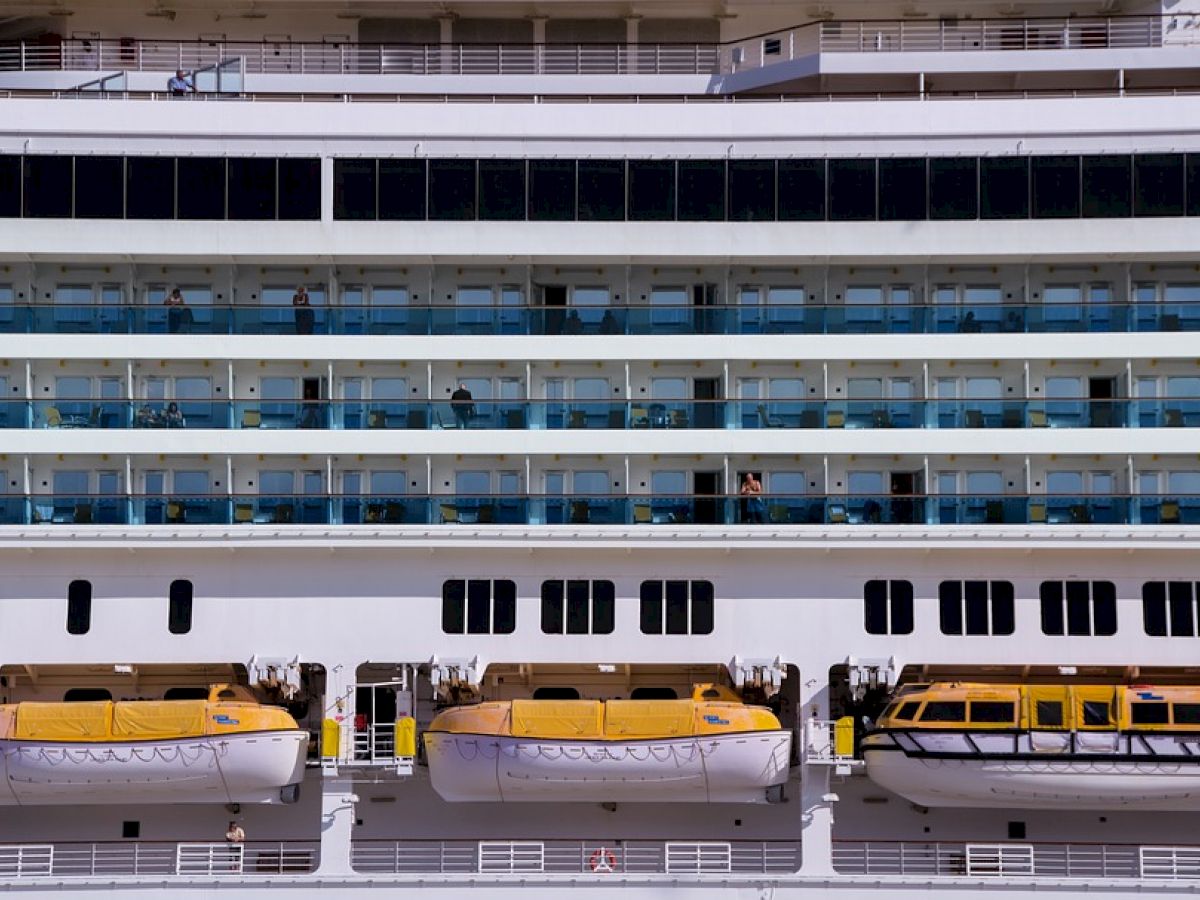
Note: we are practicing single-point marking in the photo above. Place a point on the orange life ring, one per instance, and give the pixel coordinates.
(603, 860)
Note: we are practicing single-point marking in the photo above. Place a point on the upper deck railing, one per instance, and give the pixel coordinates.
(852, 36)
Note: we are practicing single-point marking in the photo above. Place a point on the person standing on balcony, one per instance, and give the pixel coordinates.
(181, 84)
(235, 834)
(303, 311)
(463, 405)
(752, 496)
(176, 315)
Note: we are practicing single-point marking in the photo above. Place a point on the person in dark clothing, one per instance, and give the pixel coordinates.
(463, 405)
(305, 318)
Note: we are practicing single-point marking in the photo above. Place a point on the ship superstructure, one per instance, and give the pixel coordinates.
(719, 449)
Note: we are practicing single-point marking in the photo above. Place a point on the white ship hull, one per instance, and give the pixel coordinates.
(234, 768)
(731, 768)
(1038, 784)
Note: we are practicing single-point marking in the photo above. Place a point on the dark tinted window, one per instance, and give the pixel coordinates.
(1050, 713)
(354, 189)
(1106, 186)
(99, 187)
(1187, 713)
(1052, 608)
(1079, 612)
(1004, 188)
(752, 190)
(888, 607)
(402, 189)
(1150, 713)
(1055, 187)
(1004, 616)
(88, 695)
(454, 595)
(504, 607)
(479, 606)
(1154, 608)
(251, 189)
(452, 189)
(551, 190)
(1104, 596)
(552, 607)
(601, 190)
(653, 693)
(701, 190)
(603, 607)
(556, 693)
(201, 187)
(950, 611)
(1192, 174)
(1158, 184)
(851, 190)
(502, 189)
(677, 607)
(801, 190)
(702, 607)
(79, 607)
(299, 189)
(944, 711)
(651, 190)
(48, 187)
(977, 604)
(1095, 713)
(907, 711)
(953, 189)
(1181, 608)
(186, 693)
(688, 607)
(902, 189)
(651, 607)
(10, 187)
(579, 602)
(179, 608)
(149, 187)
(1090, 608)
(992, 711)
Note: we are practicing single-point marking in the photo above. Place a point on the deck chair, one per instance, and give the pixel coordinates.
(837, 514)
(642, 514)
(83, 514)
(251, 418)
(377, 418)
(1168, 513)
(1037, 512)
(53, 417)
(580, 512)
(285, 513)
(243, 512)
(175, 512)
(639, 417)
(1037, 418)
(449, 513)
(577, 419)
(835, 418)
(766, 420)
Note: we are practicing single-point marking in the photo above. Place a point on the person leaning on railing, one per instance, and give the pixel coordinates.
(181, 85)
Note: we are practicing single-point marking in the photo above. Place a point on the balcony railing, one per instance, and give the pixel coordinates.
(1007, 318)
(598, 858)
(145, 858)
(600, 415)
(582, 509)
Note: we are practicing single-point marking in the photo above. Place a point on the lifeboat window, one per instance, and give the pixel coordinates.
(186, 693)
(888, 607)
(1079, 608)
(179, 609)
(677, 607)
(976, 607)
(556, 693)
(79, 607)
(1149, 713)
(1050, 713)
(653, 693)
(944, 711)
(1096, 714)
(906, 712)
(1187, 713)
(578, 607)
(992, 712)
(86, 695)
(1169, 608)
(479, 606)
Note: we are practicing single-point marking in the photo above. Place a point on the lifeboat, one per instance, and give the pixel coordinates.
(226, 749)
(1040, 746)
(710, 749)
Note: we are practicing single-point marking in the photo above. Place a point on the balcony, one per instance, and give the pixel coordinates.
(600, 415)
(1008, 318)
(156, 858)
(623, 510)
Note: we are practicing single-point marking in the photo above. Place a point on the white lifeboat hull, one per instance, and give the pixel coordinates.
(1021, 782)
(230, 768)
(722, 768)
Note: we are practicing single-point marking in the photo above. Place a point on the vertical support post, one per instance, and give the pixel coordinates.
(816, 800)
(631, 44)
(337, 826)
(327, 194)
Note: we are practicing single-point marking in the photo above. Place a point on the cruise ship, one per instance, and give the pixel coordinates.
(646, 448)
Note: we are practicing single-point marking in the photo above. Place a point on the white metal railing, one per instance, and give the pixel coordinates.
(82, 860)
(1012, 860)
(598, 857)
(821, 746)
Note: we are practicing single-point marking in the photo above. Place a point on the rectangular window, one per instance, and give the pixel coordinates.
(99, 187)
(701, 190)
(851, 190)
(1150, 713)
(48, 187)
(601, 190)
(502, 189)
(452, 189)
(651, 190)
(944, 711)
(79, 607)
(1079, 608)
(752, 190)
(179, 607)
(1158, 184)
(479, 606)
(993, 712)
(402, 190)
(299, 189)
(1055, 187)
(150, 187)
(677, 607)
(1186, 713)
(976, 607)
(1191, 175)
(10, 187)
(888, 607)
(354, 189)
(1169, 609)
(577, 607)
(902, 190)
(252, 189)
(201, 186)
(1050, 713)
(1004, 188)
(954, 188)
(1106, 186)
(551, 190)
(801, 190)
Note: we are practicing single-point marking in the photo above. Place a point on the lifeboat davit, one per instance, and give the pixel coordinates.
(712, 748)
(226, 749)
(1040, 746)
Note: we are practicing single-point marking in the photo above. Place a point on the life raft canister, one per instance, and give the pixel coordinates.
(603, 860)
